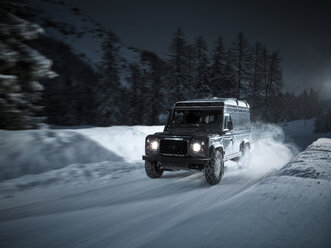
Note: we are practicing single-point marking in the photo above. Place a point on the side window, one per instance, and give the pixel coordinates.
(227, 121)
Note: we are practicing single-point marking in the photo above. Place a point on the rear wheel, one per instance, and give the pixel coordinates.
(153, 170)
(215, 169)
(246, 149)
(244, 159)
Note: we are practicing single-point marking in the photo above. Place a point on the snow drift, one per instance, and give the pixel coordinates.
(127, 142)
(37, 151)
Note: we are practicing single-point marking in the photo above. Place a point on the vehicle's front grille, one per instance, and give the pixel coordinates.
(175, 147)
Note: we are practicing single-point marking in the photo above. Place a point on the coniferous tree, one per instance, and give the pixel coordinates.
(179, 69)
(289, 112)
(242, 60)
(313, 104)
(217, 69)
(323, 120)
(272, 85)
(229, 89)
(136, 98)
(110, 90)
(201, 67)
(70, 98)
(154, 101)
(256, 82)
(21, 67)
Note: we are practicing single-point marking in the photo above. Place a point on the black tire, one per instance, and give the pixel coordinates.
(215, 169)
(153, 170)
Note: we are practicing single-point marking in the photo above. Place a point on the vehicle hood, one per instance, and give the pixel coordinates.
(185, 133)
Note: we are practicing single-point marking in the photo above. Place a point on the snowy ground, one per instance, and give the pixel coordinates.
(87, 187)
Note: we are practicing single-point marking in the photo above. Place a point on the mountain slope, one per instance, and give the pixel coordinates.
(63, 21)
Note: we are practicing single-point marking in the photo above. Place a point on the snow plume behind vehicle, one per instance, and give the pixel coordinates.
(268, 152)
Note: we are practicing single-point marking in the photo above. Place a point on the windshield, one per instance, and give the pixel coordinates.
(197, 118)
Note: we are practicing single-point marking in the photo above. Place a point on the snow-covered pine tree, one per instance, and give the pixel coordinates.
(10, 101)
(21, 67)
(201, 78)
(242, 64)
(178, 73)
(217, 70)
(110, 92)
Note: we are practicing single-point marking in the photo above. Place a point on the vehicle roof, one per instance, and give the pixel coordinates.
(214, 101)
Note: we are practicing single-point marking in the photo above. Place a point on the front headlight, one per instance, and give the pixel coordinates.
(197, 146)
(152, 145)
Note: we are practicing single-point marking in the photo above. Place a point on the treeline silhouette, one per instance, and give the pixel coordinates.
(130, 86)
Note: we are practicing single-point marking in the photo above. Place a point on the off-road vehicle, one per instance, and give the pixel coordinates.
(200, 134)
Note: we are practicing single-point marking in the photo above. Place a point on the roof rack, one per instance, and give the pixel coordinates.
(213, 101)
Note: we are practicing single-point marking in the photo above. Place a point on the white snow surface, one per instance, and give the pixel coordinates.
(99, 195)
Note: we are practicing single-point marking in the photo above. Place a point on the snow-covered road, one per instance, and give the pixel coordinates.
(128, 212)
(264, 205)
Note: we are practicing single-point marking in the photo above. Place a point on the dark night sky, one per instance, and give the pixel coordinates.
(300, 30)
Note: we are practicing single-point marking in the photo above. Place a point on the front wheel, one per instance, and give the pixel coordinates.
(153, 170)
(215, 168)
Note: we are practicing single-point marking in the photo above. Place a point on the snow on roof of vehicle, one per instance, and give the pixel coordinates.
(214, 101)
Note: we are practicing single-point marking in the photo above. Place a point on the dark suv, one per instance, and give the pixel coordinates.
(200, 134)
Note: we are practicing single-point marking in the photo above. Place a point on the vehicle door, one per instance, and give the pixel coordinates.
(227, 134)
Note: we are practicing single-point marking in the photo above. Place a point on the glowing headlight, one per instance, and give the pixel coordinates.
(196, 147)
(154, 145)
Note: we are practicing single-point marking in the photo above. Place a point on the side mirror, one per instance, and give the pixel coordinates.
(163, 119)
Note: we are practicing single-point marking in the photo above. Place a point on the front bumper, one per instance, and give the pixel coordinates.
(178, 162)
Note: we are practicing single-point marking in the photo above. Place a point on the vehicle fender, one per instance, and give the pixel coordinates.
(216, 146)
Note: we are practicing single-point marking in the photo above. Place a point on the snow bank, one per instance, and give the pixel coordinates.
(78, 151)
(127, 142)
(37, 151)
(314, 162)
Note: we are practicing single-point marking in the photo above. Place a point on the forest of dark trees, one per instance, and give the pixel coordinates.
(138, 92)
